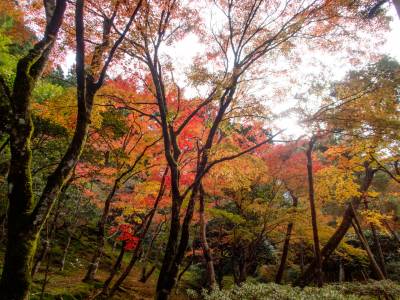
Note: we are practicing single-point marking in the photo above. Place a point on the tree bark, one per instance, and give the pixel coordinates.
(125, 273)
(341, 272)
(114, 270)
(22, 236)
(317, 250)
(377, 243)
(137, 251)
(65, 252)
(93, 266)
(211, 281)
(26, 216)
(157, 231)
(364, 242)
(49, 236)
(146, 275)
(342, 229)
(285, 250)
(394, 233)
(42, 255)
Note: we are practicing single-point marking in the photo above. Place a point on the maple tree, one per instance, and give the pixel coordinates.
(26, 215)
(136, 163)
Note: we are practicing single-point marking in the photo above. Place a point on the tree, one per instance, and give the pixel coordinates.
(21, 244)
(27, 216)
(244, 39)
(373, 85)
(311, 195)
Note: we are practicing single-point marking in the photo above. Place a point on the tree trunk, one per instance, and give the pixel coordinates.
(341, 272)
(242, 270)
(235, 269)
(378, 247)
(124, 274)
(393, 233)
(3, 227)
(176, 248)
(49, 234)
(302, 259)
(46, 276)
(114, 270)
(146, 275)
(317, 250)
(364, 242)
(189, 264)
(65, 252)
(41, 257)
(211, 281)
(22, 234)
(377, 243)
(94, 264)
(342, 229)
(285, 250)
(157, 231)
(16, 277)
(138, 249)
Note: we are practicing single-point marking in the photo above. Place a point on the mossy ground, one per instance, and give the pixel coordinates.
(68, 283)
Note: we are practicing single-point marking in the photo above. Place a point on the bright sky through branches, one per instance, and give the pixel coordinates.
(185, 50)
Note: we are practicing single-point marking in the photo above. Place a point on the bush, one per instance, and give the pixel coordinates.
(272, 291)
(371, 289)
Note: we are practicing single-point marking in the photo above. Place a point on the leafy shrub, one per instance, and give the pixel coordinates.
(372, 288)
(272, 291)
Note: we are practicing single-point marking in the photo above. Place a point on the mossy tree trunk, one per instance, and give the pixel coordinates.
(23, 233)
(26, 216)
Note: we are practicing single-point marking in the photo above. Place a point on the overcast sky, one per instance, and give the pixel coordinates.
(186, 49)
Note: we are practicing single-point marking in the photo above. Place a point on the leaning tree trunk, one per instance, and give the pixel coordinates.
(340, 232)
(211, 281)
(364, 243)
(176, 248)
(392, 231)
(114, 270)
(377, 243)
(285, 250)
(317, 250)
(49, 236)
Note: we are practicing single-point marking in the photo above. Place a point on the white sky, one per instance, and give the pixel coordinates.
(189, 47)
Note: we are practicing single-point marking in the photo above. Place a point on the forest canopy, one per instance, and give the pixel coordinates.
(214, 149)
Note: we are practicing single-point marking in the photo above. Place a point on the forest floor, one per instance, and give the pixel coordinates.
(69, 286)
